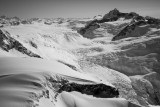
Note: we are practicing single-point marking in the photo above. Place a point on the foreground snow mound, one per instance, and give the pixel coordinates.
(75, 99)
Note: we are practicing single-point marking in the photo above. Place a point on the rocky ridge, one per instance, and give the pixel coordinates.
(7, 43)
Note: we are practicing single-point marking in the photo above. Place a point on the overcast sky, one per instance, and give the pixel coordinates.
(76, 8)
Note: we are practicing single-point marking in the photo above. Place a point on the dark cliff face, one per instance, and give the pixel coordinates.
(97, 90)
(88, 30)
(7, 43)
(128, 30)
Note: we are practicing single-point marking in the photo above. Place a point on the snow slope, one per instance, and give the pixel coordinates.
(35, 82)
(79, 100)
(49, 42)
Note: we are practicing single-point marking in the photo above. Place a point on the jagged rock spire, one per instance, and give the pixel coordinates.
(113, 13)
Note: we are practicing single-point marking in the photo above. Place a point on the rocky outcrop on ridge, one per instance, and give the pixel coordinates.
(7, 43)
(135, 30)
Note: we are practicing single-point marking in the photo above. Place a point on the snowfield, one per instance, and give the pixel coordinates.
(111, 61)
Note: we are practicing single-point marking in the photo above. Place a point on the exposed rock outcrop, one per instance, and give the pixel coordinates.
(97, 90)
(7, 43)
(88, 30)
(135, 30)
(126, 32)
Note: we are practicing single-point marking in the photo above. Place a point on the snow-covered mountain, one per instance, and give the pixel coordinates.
(112, 61)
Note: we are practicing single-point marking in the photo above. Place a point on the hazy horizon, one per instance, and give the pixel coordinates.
(76, 8)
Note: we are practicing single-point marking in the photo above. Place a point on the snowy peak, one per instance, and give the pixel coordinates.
(111, 14)
(121, 22)
(115, 14)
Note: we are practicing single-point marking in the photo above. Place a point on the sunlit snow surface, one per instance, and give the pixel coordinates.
(65, 53)
(24, 82)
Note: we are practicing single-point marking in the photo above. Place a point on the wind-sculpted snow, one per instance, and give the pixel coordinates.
(30, 82)
(80, 100)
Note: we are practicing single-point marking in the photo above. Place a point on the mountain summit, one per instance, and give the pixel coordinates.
(113, 13)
